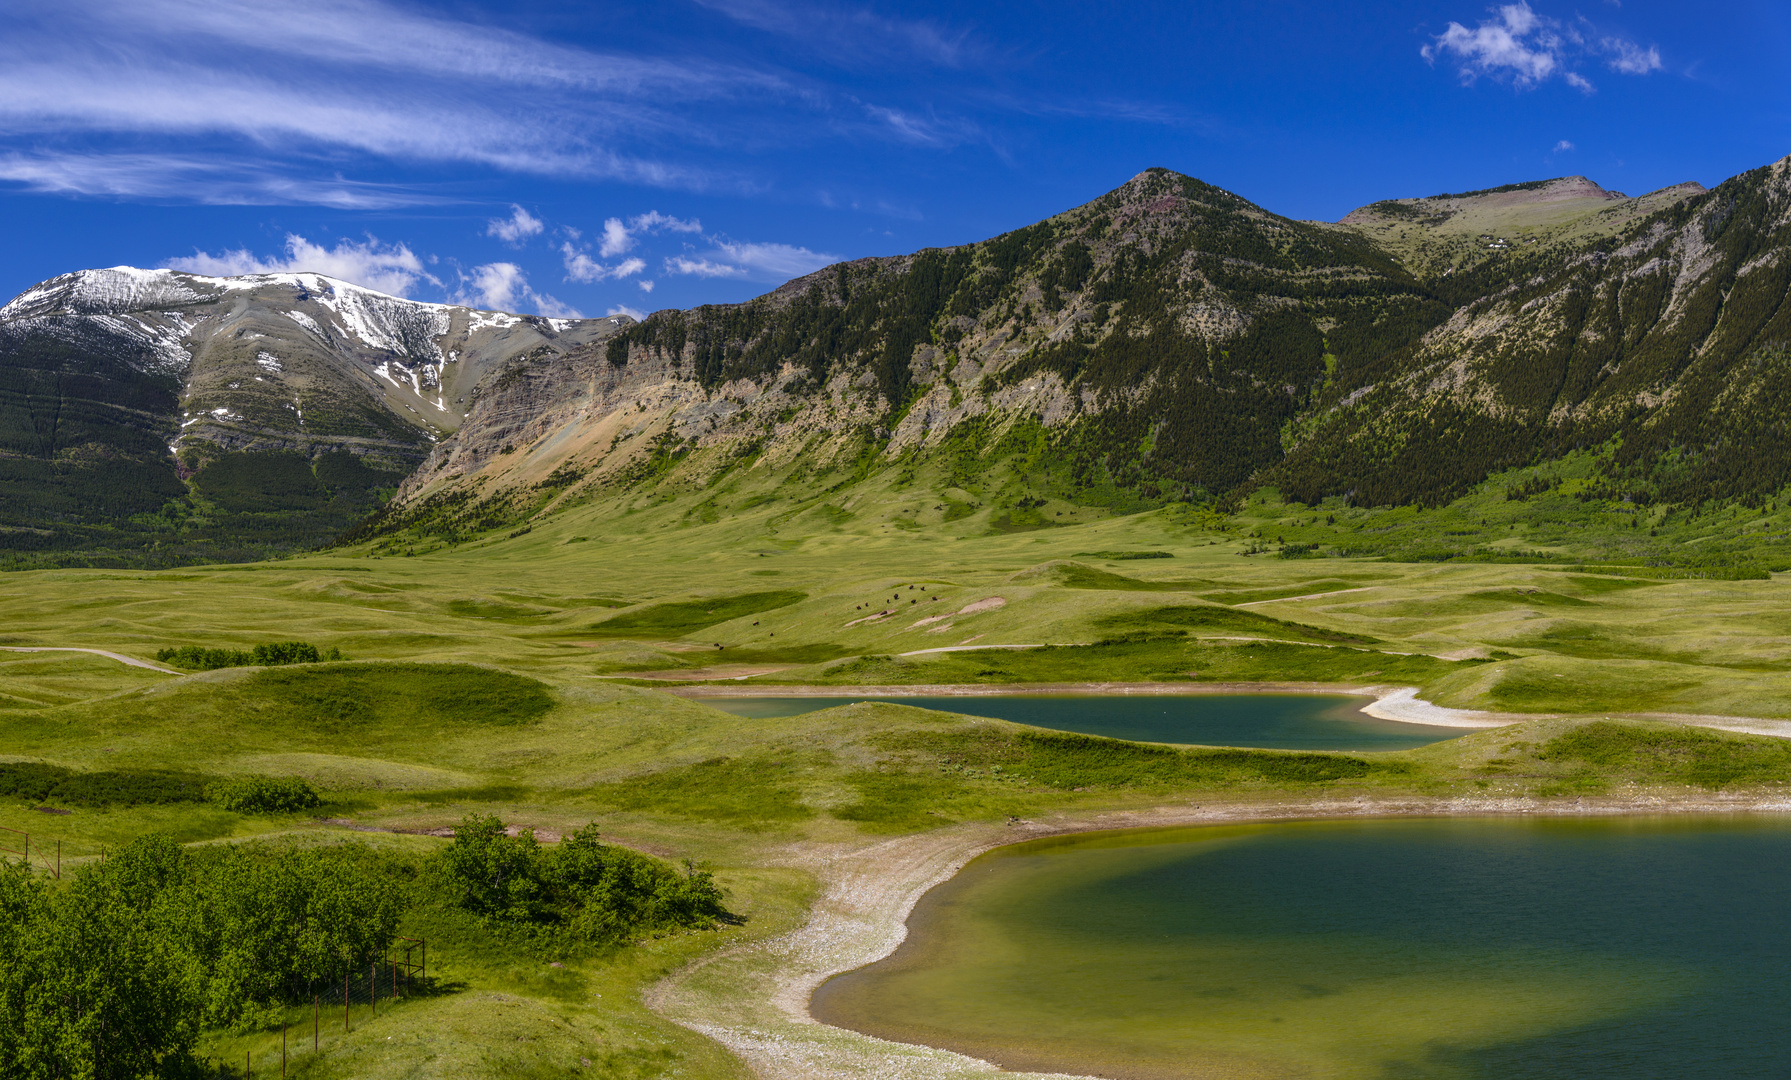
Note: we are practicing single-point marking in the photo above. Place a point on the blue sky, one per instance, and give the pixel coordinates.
(585, 157)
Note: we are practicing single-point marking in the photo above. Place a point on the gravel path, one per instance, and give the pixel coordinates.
(120, 657)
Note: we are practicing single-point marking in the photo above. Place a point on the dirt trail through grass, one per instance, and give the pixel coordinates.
(120, 657)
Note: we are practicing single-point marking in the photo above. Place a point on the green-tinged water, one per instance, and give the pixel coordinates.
(1271, 721)
(1614, 949)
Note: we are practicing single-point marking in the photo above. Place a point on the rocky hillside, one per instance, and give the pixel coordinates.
(1660, 345)
(156, 416)
(1158, 339)
(1168, 341)
(1442, 234)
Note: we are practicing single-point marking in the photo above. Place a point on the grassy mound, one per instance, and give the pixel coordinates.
(402, 694)
(677, 619)
(1710, 759)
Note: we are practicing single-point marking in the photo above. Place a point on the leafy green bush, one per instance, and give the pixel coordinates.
(273, 654)
(116, 974)
(278, 653)
(197, 658)
(263, 794)
(591, 892)
(37, 782)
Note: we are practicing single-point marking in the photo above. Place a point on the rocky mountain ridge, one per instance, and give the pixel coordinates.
(119, 386)
(1167, 341)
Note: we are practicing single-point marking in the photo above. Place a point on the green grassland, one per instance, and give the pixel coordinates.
(508, 674)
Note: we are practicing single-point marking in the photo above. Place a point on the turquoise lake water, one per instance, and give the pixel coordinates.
(1275, 721)
(1471, 949)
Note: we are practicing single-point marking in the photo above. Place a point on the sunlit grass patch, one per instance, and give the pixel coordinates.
(686, 616)
(1710, 759)
(356, 694)
(750, 789)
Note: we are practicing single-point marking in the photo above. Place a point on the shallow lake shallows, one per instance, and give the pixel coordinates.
(1517, 949)
(1268, 721)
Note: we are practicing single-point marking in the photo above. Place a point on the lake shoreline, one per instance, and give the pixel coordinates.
(1397, 703)
(754, 998)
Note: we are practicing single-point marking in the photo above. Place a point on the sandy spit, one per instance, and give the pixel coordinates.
(753, 998)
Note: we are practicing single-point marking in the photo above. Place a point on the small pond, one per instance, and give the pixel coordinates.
(1467, 949)
(1274, 721)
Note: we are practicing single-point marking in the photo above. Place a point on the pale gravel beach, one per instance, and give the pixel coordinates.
(753, 999)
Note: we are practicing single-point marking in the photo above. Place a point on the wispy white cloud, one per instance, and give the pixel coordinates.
(847, 32)
(911, 127)
(232, 182)
(623, 309)
(393, 269)
(619, 237)
(516, 228)
(1516, 45)
(762, 262)
(680, 264)
(503, 286)
(581, 267)
(654, 221)
(1563, 146)
(646, 284)
(616, 239)
(303, 83)
(776, 260)
(1628, 58)
(495, 285)
(1526, 49)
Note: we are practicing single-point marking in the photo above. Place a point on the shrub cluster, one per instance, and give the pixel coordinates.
(116, 974)
(263, 794)
(37, 782)
(592, 892)
(273, 654)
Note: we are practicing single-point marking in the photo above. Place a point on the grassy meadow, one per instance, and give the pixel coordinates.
(520, 673)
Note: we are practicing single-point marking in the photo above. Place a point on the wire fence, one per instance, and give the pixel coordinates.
(339, 1006)
(50, 864)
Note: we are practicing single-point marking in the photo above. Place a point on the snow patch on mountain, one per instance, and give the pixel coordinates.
(307, 322)
(101, 292)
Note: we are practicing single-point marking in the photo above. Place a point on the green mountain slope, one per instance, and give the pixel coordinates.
(1661, 346)
(1167, 343)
